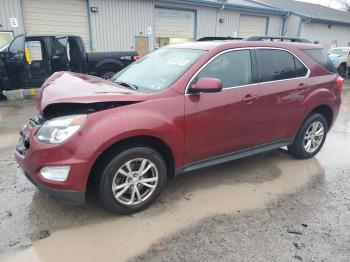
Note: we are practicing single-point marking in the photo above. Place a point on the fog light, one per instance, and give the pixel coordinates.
(56, 173)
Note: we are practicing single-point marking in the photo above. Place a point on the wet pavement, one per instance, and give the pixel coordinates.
(267, 207)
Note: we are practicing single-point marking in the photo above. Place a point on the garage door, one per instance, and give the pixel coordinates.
(57, 17)
(252, 25)
(173, 26)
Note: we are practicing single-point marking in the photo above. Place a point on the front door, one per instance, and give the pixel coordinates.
(17, 64)
(224, 122)
(39, 63)
(59, 57)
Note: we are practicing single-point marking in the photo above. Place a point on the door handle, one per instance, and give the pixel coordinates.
(302, 86)
(249, 99)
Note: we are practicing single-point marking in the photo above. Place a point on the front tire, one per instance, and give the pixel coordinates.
(132, 180)
(310, 137)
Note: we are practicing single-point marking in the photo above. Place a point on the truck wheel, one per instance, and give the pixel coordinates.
(310, 137)
(342, 71)
(2, 96)
(132, 180)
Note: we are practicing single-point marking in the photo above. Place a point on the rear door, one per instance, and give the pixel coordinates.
(284, 83)
(59, 55)
(17, 64)
(219, 123)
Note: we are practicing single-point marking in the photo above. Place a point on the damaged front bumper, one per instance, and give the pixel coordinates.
(66, 196)
(33, 156)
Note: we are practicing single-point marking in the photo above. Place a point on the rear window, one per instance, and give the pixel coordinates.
(278, 65)
(321, 57)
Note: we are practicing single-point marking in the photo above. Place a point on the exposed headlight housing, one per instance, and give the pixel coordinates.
(58, 130)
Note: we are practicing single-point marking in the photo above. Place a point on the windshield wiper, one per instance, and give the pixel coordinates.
(128, 85)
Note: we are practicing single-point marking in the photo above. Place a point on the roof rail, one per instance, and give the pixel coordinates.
(277, 38)
(218, 38)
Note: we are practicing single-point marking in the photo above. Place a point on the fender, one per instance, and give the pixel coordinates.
(318, 97)
(117, 124)
(108, 61)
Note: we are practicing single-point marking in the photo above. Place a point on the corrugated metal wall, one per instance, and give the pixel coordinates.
(8, 9)
(275, 25)
(230, 24)
(117, 22)
(291, 26)
(336, 33)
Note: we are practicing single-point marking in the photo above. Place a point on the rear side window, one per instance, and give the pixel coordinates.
(301, 70)
(232, 68)
(321, 57)
(278, 65)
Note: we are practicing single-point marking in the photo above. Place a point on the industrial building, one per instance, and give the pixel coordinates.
(144, 25)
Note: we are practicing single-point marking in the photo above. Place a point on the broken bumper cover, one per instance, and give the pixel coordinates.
(66, 196)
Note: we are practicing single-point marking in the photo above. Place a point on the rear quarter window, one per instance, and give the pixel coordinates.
(321, 57)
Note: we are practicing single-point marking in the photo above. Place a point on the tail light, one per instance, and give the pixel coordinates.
(340, 81)
(136, 57)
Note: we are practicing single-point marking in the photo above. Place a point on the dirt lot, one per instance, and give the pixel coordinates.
(265, 208)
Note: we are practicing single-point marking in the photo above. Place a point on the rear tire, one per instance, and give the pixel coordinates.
(310, 137)
(132, 180)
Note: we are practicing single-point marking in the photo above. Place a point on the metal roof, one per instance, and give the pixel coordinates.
(244, 5)
(316, 12)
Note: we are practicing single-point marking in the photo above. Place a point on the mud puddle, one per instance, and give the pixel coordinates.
(225, 189)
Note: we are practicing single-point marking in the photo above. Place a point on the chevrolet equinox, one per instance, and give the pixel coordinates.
(180, 108)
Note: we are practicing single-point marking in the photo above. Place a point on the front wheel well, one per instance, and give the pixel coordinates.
(148, 141)
(326, 111)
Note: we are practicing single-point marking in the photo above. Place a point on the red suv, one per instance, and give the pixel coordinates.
(178, 109)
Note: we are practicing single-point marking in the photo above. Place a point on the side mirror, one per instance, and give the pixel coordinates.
(207, 85)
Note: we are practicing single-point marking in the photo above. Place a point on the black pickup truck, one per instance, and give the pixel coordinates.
(49, 54)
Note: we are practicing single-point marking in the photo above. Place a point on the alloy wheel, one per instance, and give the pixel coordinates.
(135, 181)
(313, 137)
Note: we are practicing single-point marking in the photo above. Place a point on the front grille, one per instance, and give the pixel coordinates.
(22, 144)
(38, 120)
(23, 141)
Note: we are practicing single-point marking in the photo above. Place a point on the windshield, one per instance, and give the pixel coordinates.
(157, 70)
(338, 51)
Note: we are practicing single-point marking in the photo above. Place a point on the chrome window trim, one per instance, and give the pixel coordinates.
(295, 56)
(252, 84)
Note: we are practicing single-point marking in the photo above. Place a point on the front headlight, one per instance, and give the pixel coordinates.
(58, 130)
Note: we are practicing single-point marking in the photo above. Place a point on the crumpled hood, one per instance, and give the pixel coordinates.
(68, 87)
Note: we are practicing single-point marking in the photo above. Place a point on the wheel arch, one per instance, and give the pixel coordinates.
(108, 64)
(143, 140)
(324, 110)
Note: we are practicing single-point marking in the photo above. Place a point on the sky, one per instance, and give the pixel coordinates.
(330, 3)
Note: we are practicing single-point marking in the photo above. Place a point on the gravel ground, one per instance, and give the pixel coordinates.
(309, 225)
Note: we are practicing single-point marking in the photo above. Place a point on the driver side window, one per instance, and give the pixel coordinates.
(233, 68)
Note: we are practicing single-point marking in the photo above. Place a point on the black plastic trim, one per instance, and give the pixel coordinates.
(234, 155)
(67, 196)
